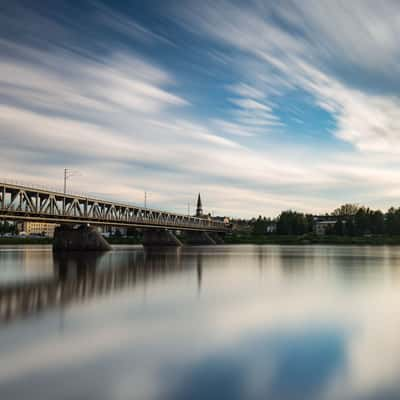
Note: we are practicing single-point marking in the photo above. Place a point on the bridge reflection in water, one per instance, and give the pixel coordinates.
(81, 276)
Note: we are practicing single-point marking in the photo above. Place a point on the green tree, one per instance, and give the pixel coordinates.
(377, 222)
(260, 225)
(339, 227)
(393, 221)
(7, 227)
(292, 223)
(346, 210)
(362, 222)
(350, 229)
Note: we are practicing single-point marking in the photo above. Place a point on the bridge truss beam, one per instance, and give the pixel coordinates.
(23, 203)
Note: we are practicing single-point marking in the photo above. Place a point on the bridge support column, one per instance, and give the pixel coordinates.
(160, 238)
(83, 238)
(199, 238)
(218, 237)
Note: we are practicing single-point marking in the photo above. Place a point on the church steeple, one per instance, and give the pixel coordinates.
(199, 209)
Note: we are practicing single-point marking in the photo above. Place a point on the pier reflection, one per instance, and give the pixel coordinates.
(80, 276)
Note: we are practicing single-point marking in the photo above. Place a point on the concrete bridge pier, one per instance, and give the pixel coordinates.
(199, 238)
(81, 238)
(218, 237)
(160, 238)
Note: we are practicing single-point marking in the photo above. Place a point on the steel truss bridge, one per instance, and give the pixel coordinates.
(23, 203)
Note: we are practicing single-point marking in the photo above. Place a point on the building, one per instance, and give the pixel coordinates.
(324, 224)
(271, 227)
(109, 231)
(39, 228)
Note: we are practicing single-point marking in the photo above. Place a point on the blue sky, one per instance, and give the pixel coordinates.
(261, 106)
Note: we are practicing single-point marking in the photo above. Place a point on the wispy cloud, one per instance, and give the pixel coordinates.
(120, 23)
(366, 120)
(247, 91)
(127, 119)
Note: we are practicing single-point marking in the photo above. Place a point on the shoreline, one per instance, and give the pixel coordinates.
(311, 239)
(308, 239)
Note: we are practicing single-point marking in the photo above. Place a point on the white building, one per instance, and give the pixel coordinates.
(321, 226)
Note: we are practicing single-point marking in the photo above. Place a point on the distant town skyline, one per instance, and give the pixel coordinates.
(260, 106)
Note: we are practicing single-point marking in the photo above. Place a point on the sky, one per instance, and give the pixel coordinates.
(261, 106)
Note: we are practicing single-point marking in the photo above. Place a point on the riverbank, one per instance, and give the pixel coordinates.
(312, 239)
(24, 240)
(244, 239)
(44, 240)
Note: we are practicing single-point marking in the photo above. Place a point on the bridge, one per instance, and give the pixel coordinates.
(24, 203)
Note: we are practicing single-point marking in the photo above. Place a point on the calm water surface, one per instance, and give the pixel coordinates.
(225, 322)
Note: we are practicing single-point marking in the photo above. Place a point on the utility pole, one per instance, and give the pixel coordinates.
(67, 174)
(145, 200)
(65, 180)
(188, 207)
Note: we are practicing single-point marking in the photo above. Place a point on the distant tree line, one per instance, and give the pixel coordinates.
(260, 225)
(362, 222)
(350, 220)
(294, 223)
(287, 223)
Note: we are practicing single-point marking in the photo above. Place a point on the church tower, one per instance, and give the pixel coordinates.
(199, 209)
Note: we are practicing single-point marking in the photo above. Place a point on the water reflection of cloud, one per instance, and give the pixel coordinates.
(274, 366)
(327, 339)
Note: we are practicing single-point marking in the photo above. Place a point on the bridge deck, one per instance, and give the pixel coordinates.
(24, 203)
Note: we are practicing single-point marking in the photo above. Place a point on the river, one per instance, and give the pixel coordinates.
(212, 322)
